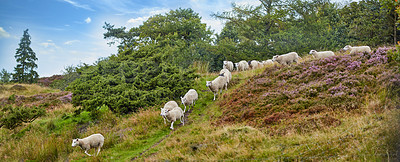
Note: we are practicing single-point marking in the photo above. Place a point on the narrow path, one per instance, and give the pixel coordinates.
(157, 143)
(154, 145)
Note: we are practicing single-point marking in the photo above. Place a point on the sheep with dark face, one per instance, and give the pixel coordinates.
(93, 141)
(286, 59)
(357, 49)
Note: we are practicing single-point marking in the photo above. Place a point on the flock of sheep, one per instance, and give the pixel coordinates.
(171, 110)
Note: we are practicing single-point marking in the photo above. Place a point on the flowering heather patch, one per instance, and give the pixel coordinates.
(48, 100)
(46, 81)
(336, 83)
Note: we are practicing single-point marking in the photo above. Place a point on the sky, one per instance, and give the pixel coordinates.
(69, 32)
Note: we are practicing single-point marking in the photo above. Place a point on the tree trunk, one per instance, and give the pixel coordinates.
(395, 29)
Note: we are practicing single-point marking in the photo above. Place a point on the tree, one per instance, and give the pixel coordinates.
(25, 69)
(393, 9)
(5, 76)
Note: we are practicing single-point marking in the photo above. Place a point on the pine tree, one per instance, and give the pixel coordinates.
(24, 71)
(4, 76)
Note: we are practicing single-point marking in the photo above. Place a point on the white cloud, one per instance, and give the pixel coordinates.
(76, 4)
(136, 21)
(49, 44)
(88, 20)
(248, 3)
(3, 33)
(71, 42)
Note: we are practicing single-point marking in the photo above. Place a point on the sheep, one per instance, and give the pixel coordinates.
(254, 64)
(189, 99)
(267, 62)
(93, 141)
(173, 115)
(242, 66)
(357, 49)
(228, 65)
(169, 106)
(321, 54)
(286, 59)
(217, 84)
(227, 74)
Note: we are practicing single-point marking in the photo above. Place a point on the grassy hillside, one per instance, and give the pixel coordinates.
(340, 108)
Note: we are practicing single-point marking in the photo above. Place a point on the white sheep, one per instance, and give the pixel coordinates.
(242, 66)
(228, 65)
(286, 59)
(189, 99)
(93, 141)
(227, 74)
(267, 62)
(254, 64)
(169, 106)
(358, 49)
(173, 115)
(321, 54)
(217, 84)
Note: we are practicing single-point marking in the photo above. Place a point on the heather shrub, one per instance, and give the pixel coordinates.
(336, 83)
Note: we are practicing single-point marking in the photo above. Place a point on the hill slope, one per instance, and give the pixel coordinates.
(339, 108)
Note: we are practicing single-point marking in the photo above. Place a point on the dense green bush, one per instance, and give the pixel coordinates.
(11, 117)
(125, 84)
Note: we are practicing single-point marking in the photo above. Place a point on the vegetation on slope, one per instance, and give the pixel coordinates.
(315, 112)
(363, 131)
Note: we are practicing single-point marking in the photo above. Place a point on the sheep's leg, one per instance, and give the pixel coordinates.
(98, 151)
(87, 153)
(214, 97)
(164, 120)
(183, 119)
(172, 125)
(185, 109)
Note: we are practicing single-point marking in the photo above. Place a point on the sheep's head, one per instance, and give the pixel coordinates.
(275, 57)
(225, 62)
(163, 112)
(236, 64)
(347, 47)
(312, 51)
(75, 142)
(222, 74)
(183, 100)
(208, 83)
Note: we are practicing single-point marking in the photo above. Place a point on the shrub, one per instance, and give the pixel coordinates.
(12, 117)
(126, 84)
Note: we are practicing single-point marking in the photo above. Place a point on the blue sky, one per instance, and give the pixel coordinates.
(69, 32)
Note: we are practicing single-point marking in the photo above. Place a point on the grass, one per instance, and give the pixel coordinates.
(311, 134)
(31, 89)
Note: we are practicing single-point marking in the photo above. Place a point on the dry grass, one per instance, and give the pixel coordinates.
(32, 89)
